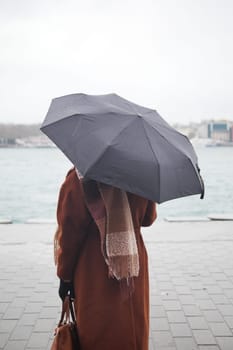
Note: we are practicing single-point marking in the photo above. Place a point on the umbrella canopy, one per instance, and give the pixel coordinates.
(115, 141)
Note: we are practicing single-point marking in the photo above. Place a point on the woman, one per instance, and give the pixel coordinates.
(100, 252)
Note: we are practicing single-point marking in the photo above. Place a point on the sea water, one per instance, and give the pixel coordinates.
(30, 179)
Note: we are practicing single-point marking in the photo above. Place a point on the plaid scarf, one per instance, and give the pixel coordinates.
(110, 210)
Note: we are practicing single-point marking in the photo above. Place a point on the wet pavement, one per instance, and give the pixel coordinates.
(191, 285)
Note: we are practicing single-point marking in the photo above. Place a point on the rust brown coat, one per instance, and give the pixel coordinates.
(106, 320)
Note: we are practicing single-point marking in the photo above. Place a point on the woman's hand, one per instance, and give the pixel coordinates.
(66, 288)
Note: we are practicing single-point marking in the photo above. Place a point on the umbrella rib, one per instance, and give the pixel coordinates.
(84, 114)
(59, 120)
(173, 130)
(167, 140)
(109, 145)
(156, 158)
(189, 159)
(156, 121)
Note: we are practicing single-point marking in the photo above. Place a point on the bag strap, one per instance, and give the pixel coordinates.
(67, 311)
(71, 307)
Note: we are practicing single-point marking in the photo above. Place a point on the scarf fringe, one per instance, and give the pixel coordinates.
(56, 245)
(123, 267)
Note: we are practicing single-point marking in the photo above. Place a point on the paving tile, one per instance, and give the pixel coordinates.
(46, 325)
(204, 304)
(165, 286)
(176, 316)
(162, 339)
(3, 307)
(19, 302)
(53, 291)
(185, 344)
(226, 309)
(13, 313)
(3, 339)
(4, 277)
(228, 272)
(214, 289)
(6, 297)
(16, 345)
(157, 311)
(33, 308)
(228, 293)
(163, 277)
(151, 345)
(214, 268)
(43, 287)
(183, 290)
(180, 330)
(37, 297)
(179, 281)
(30, 284)
(25, 292)
(219, 276)
(154, 290)
(169, 295)
(203, 337)
(28, 319)
(208, 281)
(21, 333)
(49, 312)
(38, 340)
(47, 279)
(229, 321)
(171, 305)
(225, 284)
(6, 326)
(212, 316)
(196, 285)
(175, 272)
(219, 299)
(166, 348)
(197, 322)
(200, 294)
(208, 347)
(52, 302)
(157, 270)
(225, 343)
(154, 300)
(191, 310)
(220, 329)
(187, 299)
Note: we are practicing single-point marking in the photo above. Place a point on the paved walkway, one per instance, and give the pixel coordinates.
(191, 283)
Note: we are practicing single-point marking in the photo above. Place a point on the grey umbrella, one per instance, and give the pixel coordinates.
(115, 141)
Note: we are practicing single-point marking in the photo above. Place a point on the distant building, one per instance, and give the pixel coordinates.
(186, 130)
(231, 134)
(7, 142)
(40, 141)
(220, 131)
(202, 130)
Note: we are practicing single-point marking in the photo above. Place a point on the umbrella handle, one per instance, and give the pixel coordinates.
(202, 188)
(202, 183)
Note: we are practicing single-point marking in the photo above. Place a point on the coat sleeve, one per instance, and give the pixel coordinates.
(150, 214)
(73, 220)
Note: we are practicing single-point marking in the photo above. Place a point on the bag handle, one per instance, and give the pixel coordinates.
(67, 311)
(71, 307)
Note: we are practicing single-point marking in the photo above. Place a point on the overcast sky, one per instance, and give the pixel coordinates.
(175, 56)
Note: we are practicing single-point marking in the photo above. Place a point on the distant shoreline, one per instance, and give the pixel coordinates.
(23, 147)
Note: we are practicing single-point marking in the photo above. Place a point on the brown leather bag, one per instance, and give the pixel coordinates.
(66, 334)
